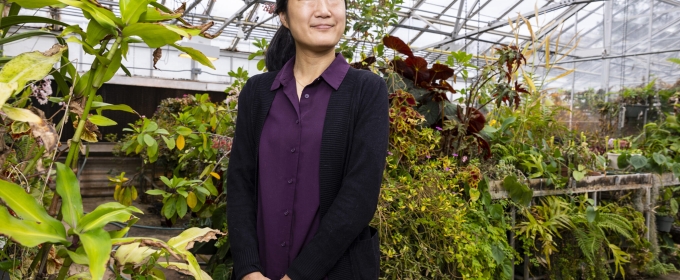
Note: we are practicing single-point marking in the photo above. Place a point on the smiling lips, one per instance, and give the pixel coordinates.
(322, 26)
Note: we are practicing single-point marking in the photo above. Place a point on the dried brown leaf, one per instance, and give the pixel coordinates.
(157, 54)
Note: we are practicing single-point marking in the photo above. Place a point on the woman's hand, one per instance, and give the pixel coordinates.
(255, 276)
(285, 278)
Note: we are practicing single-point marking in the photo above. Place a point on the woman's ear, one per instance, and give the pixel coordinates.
(284, 20)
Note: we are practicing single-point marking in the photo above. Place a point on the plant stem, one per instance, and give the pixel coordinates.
(94, 87)
(65, 268)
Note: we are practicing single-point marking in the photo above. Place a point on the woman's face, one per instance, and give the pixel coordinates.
(316, 25)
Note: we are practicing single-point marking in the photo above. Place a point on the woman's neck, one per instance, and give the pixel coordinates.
(309, 65)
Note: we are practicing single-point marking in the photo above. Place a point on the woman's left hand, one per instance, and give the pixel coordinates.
(285, 277)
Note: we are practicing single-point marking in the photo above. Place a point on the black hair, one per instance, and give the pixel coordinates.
(282, 47)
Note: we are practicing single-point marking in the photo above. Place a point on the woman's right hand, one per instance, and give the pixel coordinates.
(255, 276)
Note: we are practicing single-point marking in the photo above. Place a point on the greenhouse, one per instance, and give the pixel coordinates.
(421, 139)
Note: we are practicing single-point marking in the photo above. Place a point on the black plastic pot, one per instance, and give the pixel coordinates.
(664, 223)
(633, 111)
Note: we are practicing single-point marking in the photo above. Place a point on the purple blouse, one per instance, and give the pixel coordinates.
(288, 164)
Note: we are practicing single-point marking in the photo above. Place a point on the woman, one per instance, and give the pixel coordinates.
(308, 156)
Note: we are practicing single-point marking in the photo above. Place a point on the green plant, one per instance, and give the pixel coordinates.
(190, 138)
(86, 242)
(436, 219)
(139, 21)
(261, 46)
(667, 205)
(185, 195)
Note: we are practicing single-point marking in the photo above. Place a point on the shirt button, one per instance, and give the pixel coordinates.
(283, 244)
(297, 121)
(290, 181)
(306, 95)
(286, 213)
(292, 150)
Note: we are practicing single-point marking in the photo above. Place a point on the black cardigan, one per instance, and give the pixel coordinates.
(353, 150)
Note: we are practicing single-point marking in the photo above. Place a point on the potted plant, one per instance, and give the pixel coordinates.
(621, 153)
(667, 209)
(637, 100)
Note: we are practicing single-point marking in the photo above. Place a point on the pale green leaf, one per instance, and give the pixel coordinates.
(104, 214)
(29, 233)
(97, 244)
(6, 91)
(185, 241)
(168, 142)
(154, 35)
(101, 120)
(131, 10)
(155, 15)
(35, 4)
(22, 115)
(119, 107)
(69, 189)
(26, 207)
(149, 140)
(78, 256)
(195, 55)
(95, 33)
(29, 66)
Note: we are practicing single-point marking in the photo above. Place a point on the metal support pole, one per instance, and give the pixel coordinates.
(648, 202)
(608, 19)
(649, 41)
(573, 80)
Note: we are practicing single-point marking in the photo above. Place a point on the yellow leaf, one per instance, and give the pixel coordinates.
(192, 200)
(529, 82)
(116, 192)
(180, 142)
(133, 192)
(214, 174)
(562, 75)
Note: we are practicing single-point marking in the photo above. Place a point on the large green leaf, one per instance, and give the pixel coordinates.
(131, 10)
(185, 241)
(35, 4)
(18, 20)
(104, 17)
(95, 33)
(154, 14)
(78, 256)
(104, 214)
(26, 207)
(113, 67)
(68, 188)
(517, 191)
(195, 55)
(19, 114)
(154, 35)
(26, 67)
(638, 161)
(29, 233)
(97, 244)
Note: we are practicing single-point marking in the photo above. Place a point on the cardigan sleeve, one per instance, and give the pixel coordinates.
(242, 189)
(356, 202)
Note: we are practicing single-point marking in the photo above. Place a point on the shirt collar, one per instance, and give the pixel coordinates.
(333, 75)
